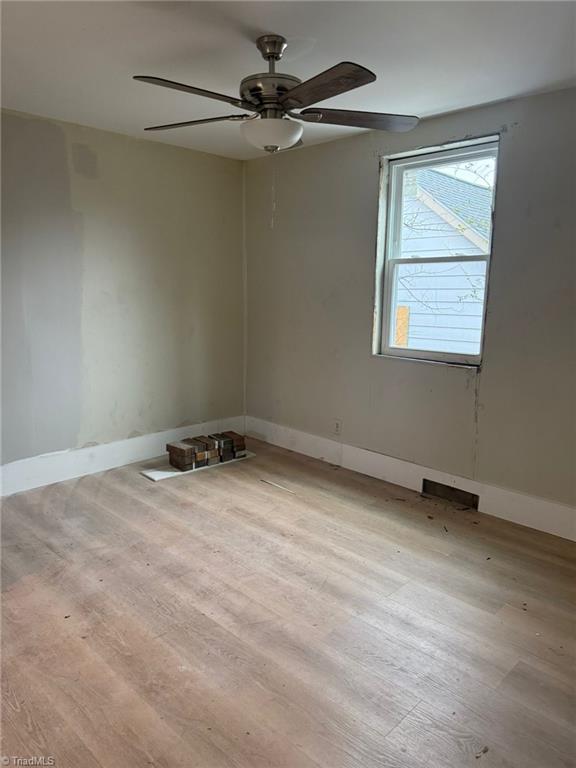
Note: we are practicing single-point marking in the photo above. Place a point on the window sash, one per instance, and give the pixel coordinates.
(393, 174)
(391, 285)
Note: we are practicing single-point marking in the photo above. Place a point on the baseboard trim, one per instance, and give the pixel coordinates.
(530, 511)
(36, 471)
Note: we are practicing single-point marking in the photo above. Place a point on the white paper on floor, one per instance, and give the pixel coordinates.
(165, 473)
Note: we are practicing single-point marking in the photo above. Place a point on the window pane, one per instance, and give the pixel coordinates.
(438, 306)
(446, 209)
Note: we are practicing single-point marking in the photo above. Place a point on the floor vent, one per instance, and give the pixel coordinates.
(450, 493)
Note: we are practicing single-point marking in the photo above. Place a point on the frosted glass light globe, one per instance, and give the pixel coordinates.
(271, 134)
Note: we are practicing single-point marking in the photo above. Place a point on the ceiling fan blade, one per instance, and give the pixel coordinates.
(198, 122)
(338, 79)
(377, 121)
(196, 91)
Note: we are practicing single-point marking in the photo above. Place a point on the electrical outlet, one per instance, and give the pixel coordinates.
(337, 426)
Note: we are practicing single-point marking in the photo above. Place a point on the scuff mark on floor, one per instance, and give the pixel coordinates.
(276, 485)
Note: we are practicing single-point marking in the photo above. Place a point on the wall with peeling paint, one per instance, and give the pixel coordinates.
(121, 286)
(311, 244)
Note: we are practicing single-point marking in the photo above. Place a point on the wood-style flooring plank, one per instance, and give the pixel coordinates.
(281, 613)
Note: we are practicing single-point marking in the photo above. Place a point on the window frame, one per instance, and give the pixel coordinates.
(392, 168)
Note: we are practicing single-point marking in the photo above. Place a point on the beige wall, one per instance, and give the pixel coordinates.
(311, 241)
(122, 299)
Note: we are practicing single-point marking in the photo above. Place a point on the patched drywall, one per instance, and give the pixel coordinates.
(122, 275)
(42, 271)
(311, 244)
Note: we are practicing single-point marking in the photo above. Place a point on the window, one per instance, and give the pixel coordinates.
(433, 271)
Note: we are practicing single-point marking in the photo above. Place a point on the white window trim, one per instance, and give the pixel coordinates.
(391, 181)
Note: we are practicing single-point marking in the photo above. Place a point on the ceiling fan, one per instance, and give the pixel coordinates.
(272, 97)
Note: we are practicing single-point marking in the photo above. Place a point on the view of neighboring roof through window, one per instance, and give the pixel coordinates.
(437, 243)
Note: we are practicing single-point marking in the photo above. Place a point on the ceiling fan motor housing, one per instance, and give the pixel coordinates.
(264, 89)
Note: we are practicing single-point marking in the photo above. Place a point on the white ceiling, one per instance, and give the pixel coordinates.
(74, 60)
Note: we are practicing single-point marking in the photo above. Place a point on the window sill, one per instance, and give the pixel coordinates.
(470, 366)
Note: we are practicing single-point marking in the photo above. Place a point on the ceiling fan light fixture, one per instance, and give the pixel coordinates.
(271, 98)
(272, 134)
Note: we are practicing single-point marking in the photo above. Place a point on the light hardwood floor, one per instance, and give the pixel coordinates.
(281, 613)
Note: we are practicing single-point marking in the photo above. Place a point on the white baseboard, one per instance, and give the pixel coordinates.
(50, 468)
(531, 511)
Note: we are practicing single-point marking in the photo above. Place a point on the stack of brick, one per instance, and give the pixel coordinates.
(207, 444)
(225, 446)
(202, 451)
(231, 445)
(193, 453)
(238, 443)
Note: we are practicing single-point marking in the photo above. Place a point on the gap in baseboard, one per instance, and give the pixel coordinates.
(449, 493)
